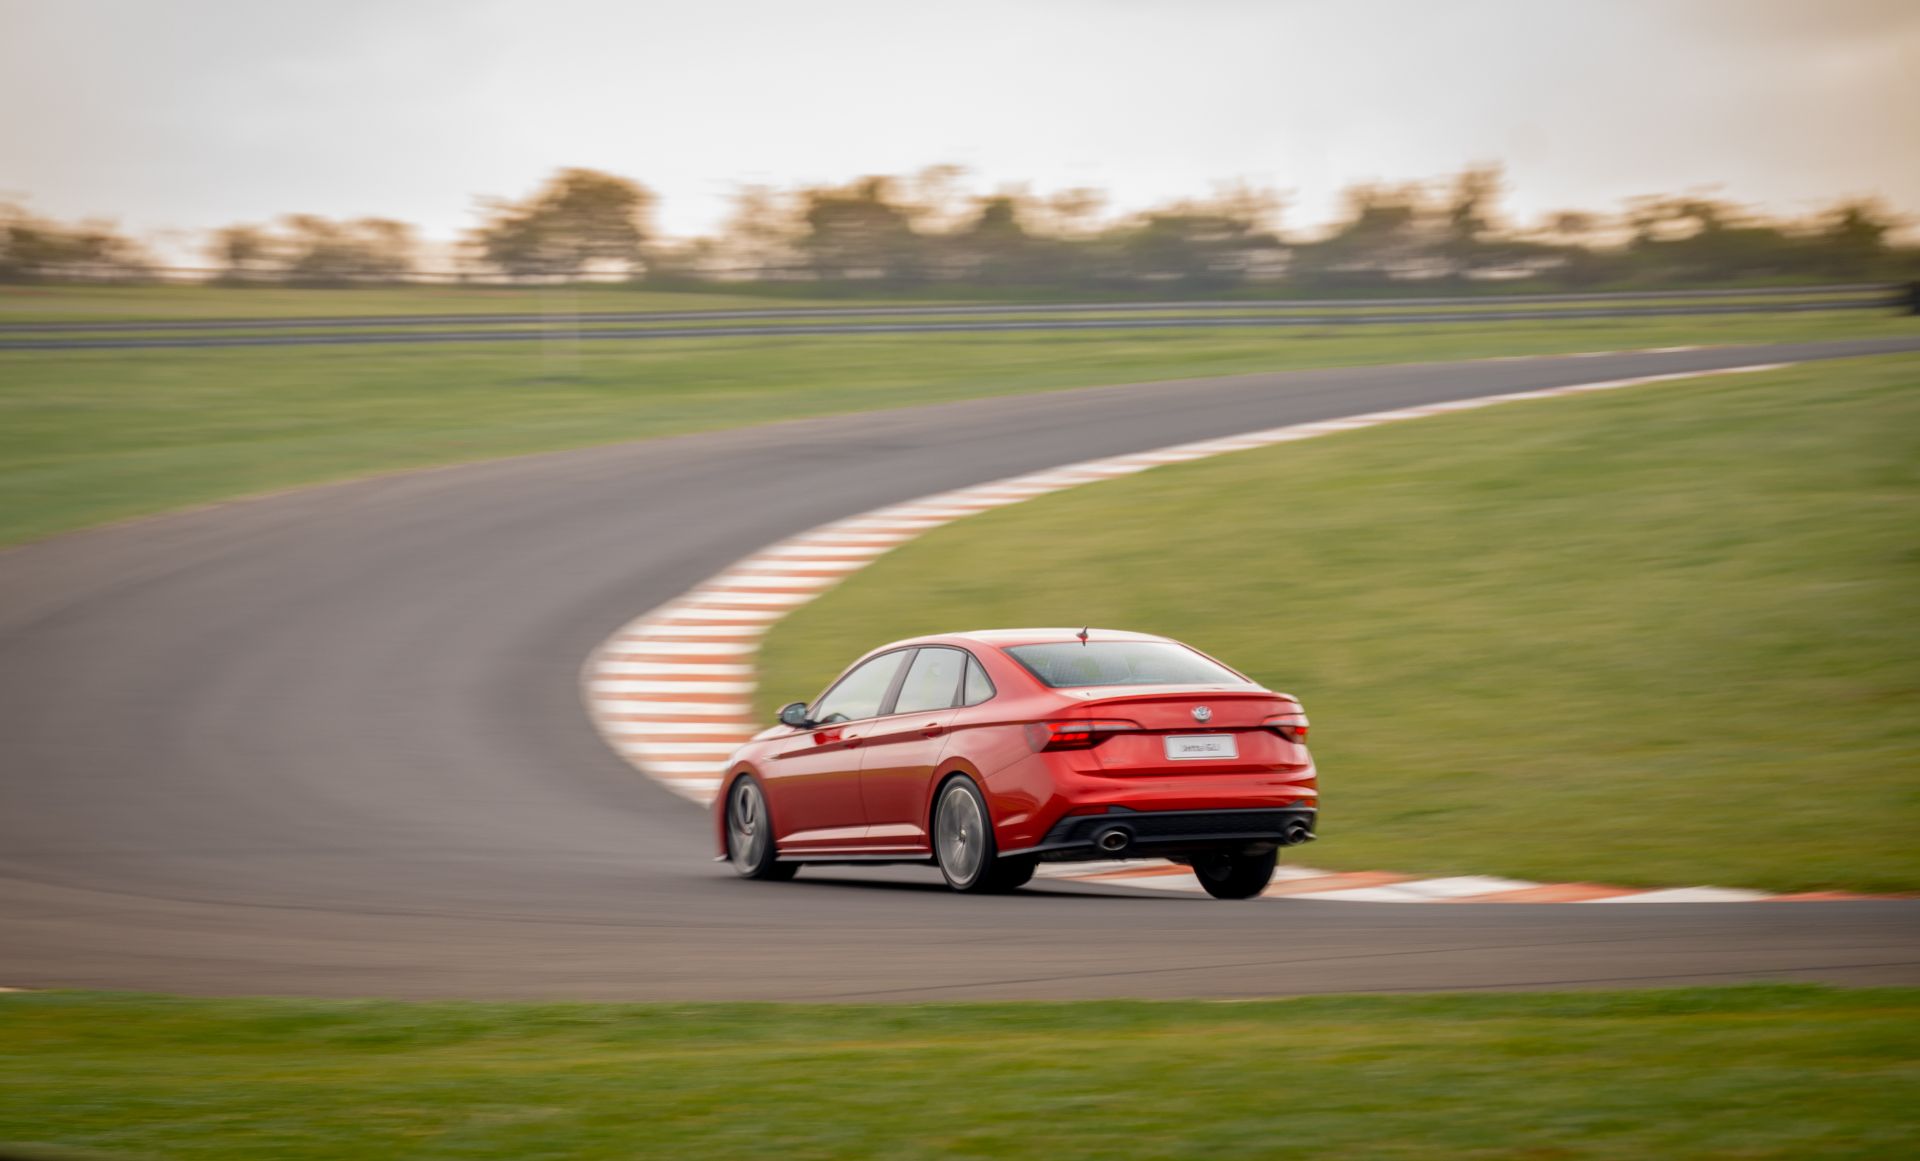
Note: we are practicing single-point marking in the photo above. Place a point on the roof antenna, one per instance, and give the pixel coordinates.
(1082, 634)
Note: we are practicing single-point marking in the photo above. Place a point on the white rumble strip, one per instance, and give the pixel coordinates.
(671, 691)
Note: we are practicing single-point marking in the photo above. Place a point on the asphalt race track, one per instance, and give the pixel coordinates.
(331, 742)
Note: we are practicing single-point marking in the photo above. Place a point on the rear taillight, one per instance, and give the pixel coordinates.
(1291, 725)
(1081, 735)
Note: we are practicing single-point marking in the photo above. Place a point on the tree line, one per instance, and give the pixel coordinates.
(927, 230)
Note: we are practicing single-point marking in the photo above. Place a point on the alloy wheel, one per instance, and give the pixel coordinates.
(961, 834)
(746, 827)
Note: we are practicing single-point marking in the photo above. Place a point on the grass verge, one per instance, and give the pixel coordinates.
(1748, 1072)
(1651, 637)
(93, 436)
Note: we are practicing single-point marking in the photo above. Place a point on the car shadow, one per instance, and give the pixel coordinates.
(1039, 890)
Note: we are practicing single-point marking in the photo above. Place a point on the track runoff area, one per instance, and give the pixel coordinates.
(330, 742)
(671, 690)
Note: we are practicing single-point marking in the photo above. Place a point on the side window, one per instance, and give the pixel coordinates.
(979, 688)
(859, 694)
(933, 681)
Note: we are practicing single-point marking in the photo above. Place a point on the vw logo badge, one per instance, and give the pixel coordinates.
(1202, 713)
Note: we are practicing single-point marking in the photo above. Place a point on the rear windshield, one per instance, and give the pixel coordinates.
(1065, 666)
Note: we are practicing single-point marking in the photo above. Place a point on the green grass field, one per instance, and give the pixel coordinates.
(90, 437)
(1660, 636)
(1748, 1073)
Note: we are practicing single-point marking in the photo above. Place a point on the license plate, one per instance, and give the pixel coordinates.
(1186, 747)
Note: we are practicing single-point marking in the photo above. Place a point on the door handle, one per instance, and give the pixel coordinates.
(932, 730)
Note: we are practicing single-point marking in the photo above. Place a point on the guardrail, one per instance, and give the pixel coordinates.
(571, 332)
(1863, 296)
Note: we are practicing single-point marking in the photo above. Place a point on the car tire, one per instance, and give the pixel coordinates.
(1235, 876)
(750, 833)
(963, 844)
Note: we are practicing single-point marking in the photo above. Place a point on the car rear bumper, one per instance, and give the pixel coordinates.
(1123, 834)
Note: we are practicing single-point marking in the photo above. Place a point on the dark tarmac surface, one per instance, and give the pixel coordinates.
(331, 742)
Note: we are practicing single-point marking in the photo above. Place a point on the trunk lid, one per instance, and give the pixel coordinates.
(1163, 708)
(1166, 713)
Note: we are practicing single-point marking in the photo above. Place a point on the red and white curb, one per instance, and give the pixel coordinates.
(672, 690)
(1291, 882)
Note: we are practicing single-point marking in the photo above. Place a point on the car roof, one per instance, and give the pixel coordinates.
(1001, 638)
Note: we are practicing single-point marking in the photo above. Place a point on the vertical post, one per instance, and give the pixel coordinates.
(560, 345)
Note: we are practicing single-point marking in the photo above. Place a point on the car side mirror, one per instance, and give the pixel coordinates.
(795, 715)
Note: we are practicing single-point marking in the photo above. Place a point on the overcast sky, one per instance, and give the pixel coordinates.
(188, 114)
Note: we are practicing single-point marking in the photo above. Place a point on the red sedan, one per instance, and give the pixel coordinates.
(988, 753)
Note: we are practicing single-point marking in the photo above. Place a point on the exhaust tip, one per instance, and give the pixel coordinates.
(1113, 838)
(1299, 832)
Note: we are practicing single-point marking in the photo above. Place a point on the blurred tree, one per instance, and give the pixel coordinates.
(1464, 244)
(1194, 248)
(1071, 213)
(761, 236)
(1698, 238)
(35, 248)
(1382, 238)
(315, 251)
(1852, 238)
(1211, 243)
(582, 221)
(858, 232)
(321, 251)
(995, 249)
(687, 263)
(933, 199)
(926, 228)
(245, 252)
(1576, 246)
